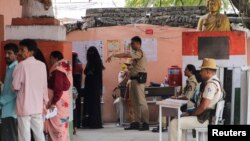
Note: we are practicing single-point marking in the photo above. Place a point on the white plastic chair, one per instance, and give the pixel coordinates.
(218, 120)
(219, 113)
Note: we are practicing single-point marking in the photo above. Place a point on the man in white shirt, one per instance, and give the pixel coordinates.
(30, 83)
(210, 96)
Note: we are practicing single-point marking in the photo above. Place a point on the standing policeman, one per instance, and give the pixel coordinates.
(137, 87)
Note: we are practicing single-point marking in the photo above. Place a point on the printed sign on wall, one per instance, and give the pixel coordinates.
(113, 47)
(81, 48)
(149, 46)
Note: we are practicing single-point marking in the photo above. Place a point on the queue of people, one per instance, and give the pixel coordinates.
(28, 94)
(30, 91)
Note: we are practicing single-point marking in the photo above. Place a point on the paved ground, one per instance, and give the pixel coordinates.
(112, 133)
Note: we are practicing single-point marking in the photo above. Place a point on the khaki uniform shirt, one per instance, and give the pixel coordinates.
(139, 62)
(189, 90)
(212, 92)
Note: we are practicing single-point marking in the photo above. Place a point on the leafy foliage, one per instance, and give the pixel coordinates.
(162, 3)
(159, 3)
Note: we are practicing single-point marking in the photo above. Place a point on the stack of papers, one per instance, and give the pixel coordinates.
(172, 102)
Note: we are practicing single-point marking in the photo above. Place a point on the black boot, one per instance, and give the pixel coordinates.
(133, 126)
(156, 129)
(144, 127)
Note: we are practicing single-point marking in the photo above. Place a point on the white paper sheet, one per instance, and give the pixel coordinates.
(81, 48)
(149, 46)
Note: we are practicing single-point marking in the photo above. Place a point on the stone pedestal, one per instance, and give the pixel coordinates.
(35, 21)
(41, 32)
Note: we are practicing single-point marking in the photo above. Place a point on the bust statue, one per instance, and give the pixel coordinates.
(213, 21)
(36, 8)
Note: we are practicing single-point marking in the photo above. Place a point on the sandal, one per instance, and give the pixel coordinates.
(156, 129)
(74, 131)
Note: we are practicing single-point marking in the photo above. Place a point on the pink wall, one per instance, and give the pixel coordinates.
(10, 9)
(169, 53)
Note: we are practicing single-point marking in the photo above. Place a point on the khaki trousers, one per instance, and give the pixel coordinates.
(139, 103)
(188, 122)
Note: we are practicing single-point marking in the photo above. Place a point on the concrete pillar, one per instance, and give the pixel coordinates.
(48, 33)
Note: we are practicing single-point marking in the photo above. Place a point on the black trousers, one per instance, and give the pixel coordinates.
(9, 129)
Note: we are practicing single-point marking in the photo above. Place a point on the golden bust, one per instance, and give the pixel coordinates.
(214, 21)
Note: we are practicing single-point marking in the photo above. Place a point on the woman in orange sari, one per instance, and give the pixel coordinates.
(60, 81)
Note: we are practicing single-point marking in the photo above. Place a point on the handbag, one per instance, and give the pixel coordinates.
(126, 94)
(142, 77)
(206, 115)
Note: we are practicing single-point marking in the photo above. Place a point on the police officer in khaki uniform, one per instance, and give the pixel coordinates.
(210, 96)
(136, 90)
(191, 86)
(188, 91)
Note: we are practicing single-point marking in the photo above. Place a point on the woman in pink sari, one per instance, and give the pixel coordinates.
(60, 81)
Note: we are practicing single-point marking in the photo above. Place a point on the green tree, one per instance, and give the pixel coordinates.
(159, 3)
(242, 5)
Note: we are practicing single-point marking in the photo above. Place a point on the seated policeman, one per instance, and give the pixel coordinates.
(210, 96)
(190, 88)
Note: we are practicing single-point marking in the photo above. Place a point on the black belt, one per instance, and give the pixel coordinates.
(133, 77)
